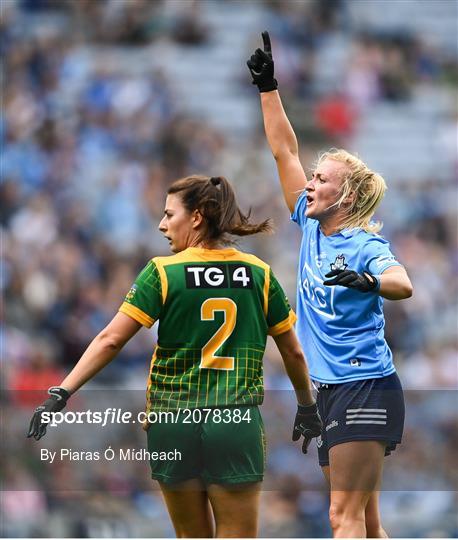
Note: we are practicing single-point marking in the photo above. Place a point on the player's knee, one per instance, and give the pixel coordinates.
(341, 514)
(336, 511)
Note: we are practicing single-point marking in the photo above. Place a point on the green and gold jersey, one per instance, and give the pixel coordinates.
(215, 309)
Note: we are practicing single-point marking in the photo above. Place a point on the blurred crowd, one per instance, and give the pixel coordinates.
(88, 150)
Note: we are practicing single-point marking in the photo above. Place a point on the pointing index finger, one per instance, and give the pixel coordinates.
(266, 40)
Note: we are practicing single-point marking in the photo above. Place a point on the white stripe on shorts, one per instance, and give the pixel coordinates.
(381, 422)
(366, 410)
(350, 416)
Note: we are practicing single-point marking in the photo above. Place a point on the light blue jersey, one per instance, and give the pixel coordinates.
(341, 330)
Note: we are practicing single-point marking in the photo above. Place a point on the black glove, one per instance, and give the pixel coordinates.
(261, 66)
(55, 403)
(307, 423)
(364, 282)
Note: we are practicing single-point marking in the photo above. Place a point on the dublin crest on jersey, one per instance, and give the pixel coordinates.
(339, 263)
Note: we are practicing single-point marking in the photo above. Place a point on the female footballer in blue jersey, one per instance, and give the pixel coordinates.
(345, 271)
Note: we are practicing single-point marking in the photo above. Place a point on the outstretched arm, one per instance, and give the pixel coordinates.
(280, 134)
(395, 284)
(101, 351)
(392, 284)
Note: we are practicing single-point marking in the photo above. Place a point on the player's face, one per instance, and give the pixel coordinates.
(178, 225)
(323, 189)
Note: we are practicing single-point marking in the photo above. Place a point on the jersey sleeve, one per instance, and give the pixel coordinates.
(143, 302)
(280, 316)
(298, 216)
(378, 256)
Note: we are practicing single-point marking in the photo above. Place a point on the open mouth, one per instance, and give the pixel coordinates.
(310, 200)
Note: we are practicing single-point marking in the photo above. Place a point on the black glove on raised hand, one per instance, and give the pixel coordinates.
(261, 66)
(364, 282)
(307, 423)
(55, 403)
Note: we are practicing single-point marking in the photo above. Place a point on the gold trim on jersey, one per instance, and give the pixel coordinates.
(137, 314)
(150, 382)
(284, 325)
(212, 255)
(159, 262)
(266, 290)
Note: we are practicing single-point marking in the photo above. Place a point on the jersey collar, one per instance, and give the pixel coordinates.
(349, 232)
(206, 252)
(346, 233)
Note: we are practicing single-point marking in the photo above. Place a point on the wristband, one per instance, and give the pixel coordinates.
(307, 409)
(59, 393)
(377, 280)
(267, 87)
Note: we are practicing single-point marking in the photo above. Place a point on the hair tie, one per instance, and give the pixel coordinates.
(215, 180)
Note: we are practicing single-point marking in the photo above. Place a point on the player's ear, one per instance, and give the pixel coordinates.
(196, 219)
(350, 199)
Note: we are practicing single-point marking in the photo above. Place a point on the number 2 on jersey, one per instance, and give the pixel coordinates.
(207, 313)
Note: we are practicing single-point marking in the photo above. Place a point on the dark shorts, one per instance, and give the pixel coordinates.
(367, 410)
(217, 447)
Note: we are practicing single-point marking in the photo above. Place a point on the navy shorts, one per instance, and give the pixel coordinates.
(367, 410)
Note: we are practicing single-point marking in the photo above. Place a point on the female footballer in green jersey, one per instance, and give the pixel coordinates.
(215, 306)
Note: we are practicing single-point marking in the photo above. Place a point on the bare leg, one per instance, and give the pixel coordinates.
(236, 509)
(189, 509)
(355, 472)
(326, 473)
(374, 527)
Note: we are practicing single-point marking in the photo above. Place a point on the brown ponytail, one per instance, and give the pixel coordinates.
(215, 200)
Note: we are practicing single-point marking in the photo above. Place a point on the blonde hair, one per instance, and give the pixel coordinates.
(363, 187)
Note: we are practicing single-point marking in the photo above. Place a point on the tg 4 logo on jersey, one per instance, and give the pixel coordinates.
(219, 276)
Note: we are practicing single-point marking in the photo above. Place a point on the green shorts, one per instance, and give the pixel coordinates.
(220, 446)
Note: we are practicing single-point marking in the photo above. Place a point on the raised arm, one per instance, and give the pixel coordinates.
(280, 134)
